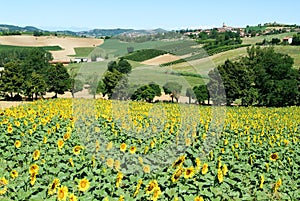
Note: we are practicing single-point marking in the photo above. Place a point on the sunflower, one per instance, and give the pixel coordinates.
(220, 176)
(189, 172)
(110, 162)
(53, 186)
(177, 175)
(224, 169)
(83, 185)
(277, 185)
(132, 150)
(3, 181)
(76, 149)
(18, 144)
(71, 162)
(205, 168)
(151, 186)
(273, 156)
(67, 135)
(146, 168)
(109, 146)
(36, 155)
(123, 147)
(62, 193)
(33, 178)
(119, 179)
(14, 174)
(156, 193)
(121, 198)
(199, 198)
(262, 180)
(60, 144)
(34, 168)
(9, 129)
(45, 140)
(179, 161)
(138, 186)
(72, 197)
(3, 191)
(117, 165)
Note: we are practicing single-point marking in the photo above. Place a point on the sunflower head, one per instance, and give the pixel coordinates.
(36, 155)
(146, 168)
(76, 149)
(151, 186)
(83, 185)
(18, 144)
(179, 161)
(132, 150)
(72, 197)
(14, 174)
(205, 168)
(273, 156)
(176, 175)
(189, 172)
(123, 147)
(62, 193)
(34, 168)
(60, 144)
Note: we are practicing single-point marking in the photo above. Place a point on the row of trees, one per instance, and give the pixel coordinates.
(28, 72)
(263, 77)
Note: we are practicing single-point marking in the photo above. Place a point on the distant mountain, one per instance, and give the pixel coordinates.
(90, 33)
(12, 28)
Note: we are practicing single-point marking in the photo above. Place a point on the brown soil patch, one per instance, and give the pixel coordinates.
(66, 43)
(161, 59)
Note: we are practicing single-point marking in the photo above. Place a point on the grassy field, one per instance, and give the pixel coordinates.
(254, 40)
(118, 48)
(47, 48)
(82, 51)
(293, 51)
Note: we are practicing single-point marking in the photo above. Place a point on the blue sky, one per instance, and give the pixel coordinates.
(140, 14)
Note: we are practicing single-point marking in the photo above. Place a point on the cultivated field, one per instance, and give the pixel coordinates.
(161, 59)
(112, 150)
(66, 43)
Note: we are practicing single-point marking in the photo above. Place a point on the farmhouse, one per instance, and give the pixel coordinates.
(80, 60)
(287, 40)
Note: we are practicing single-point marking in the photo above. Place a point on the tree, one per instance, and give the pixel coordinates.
(275, 41)
(145, 92)
(201, 93)
(36, 85)
(110, 81)
(120, 92)
(124, 66)
(174, 89)
(190, 93)
(12, 78)
(58, 79)
(156, 88)
(216, 88)
(275, 78)
(296, 39)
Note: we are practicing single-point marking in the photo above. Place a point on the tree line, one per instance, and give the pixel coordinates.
(263, 77)
(27, 72)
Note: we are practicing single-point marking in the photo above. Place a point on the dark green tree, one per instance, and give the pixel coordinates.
(201, 93)
(124, 66)
(145, 92)
(156, 88)
(36, 85)
(58, 79)
(110, 81)
(12, 78)
(173, 89)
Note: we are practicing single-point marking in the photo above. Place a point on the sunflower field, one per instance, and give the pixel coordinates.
(68, 149)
